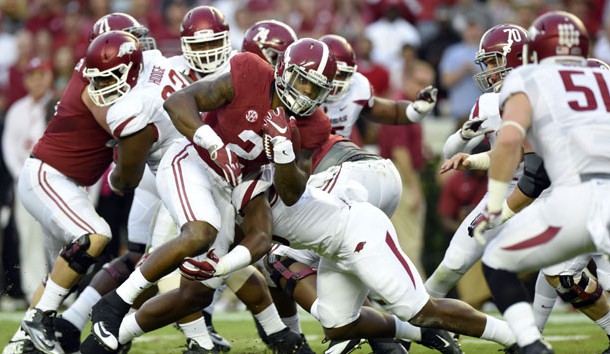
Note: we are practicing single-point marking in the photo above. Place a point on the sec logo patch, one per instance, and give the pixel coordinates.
(251, 116)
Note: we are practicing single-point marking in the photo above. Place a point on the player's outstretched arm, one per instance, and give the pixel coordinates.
(386, 111)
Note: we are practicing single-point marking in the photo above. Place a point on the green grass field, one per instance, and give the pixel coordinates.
(570, 333)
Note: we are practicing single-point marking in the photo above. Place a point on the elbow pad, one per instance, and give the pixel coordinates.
(534, 179)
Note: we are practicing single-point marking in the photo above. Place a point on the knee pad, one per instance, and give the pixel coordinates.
(76, 255)
(579, 292)
(278, 268)
(119, 274)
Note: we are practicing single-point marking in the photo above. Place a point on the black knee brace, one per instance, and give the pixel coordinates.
(76, 254)
(576, 293)
(279, 269)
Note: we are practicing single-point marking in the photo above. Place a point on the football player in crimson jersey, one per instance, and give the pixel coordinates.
(570, 135)
(240, 107)
(74, 151)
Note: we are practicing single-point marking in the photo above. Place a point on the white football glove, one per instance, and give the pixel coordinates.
(472, 128)
(423, 104)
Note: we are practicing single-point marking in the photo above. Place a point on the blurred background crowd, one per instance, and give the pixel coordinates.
(401, 46)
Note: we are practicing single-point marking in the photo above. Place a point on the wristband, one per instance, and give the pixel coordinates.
(413, 115)
(283, 152)
(507, 212)
(497, 191)
(478, 161)
(238, 258)
(207, 138)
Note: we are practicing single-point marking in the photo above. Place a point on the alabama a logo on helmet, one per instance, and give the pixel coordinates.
(261, 35)
(127, 48)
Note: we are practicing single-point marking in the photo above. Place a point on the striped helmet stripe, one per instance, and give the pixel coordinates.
(324, 60)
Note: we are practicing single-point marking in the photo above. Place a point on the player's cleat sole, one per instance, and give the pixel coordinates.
(221, 344)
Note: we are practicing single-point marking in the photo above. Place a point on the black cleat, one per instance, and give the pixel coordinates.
(513, 349)
(220, 344)
(92, 345)
(192, 347)
(67, 334)
(538, 347)
(38, 325)
(440, 340)
(387, 346)
(106, 317)
(287, 341)
(21, 346)
(343, 346)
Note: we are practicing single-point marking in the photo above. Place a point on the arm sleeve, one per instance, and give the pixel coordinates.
(455, 144)
(534, 179)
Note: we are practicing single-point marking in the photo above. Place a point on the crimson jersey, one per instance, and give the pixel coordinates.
(74, 143)
(239, 123)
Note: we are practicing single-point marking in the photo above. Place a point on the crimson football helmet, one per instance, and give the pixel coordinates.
(346, 65)
(268, 39)
(596, 63)
(504, 45)
(558, 36)
(119, 21)
(112, 64)
(304, 75)
(204, 36)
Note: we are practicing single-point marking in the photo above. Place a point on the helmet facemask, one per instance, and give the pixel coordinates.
(296, 101)
(489, 80)
(342, 81)
(106, 87)
(206, 60)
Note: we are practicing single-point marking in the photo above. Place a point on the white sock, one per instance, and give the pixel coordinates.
(133, 286)
(405, 330)
(604, 323)
(441, 281)
(293, 323)
(520, 318)
(52, 296)
(129, 329)
(270, 320)
(78, 312)
(197, 331)
(498, 331)
(544, 300)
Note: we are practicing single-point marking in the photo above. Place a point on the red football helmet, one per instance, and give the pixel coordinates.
(204, 35)
(119, 21)
(596, 63)
(558, 35)
(346, 64)
(112, 65)
(504, 45)
(268, 39)
(304, 75)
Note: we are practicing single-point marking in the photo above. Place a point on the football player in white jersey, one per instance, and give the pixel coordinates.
(559, 104)
(500, 51)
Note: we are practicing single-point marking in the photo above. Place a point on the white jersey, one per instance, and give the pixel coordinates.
(179, 63)
(570, 126)
(344, 113)
(143, 105)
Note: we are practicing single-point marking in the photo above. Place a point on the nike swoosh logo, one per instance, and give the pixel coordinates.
(444, 341)
(107, 338)
(277, 127)
(342, 109)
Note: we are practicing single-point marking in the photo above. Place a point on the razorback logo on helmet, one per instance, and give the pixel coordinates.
(127, 48)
